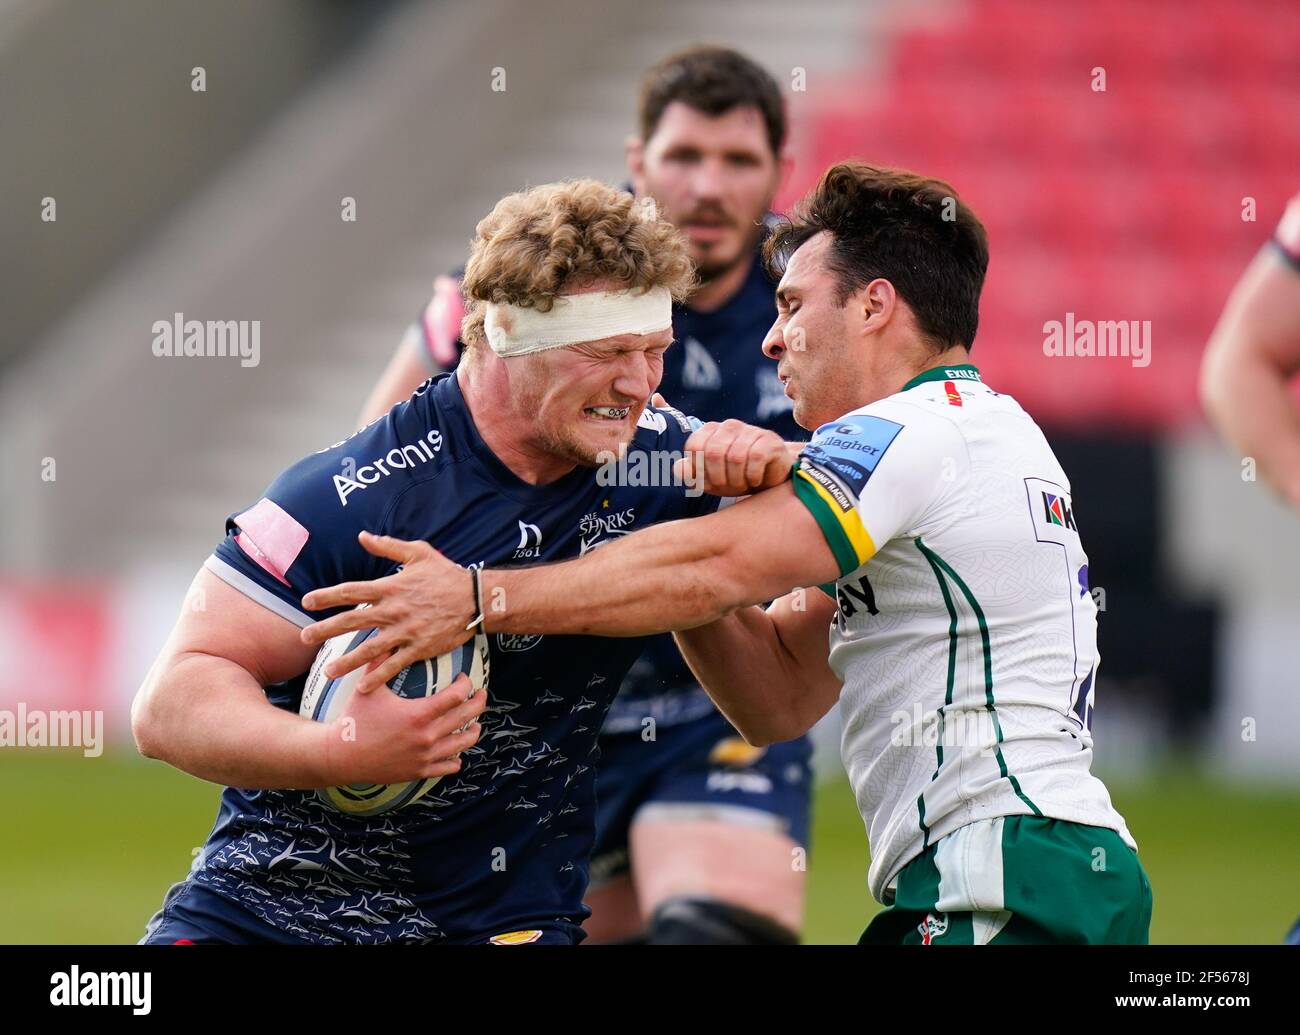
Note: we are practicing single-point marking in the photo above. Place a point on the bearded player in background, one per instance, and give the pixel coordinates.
(698, 832)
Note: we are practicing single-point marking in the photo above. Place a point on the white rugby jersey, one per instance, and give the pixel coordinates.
(966, 635)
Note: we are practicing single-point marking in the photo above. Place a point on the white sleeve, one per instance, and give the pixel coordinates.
(867, 478)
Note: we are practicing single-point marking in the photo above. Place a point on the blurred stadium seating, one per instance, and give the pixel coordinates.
(1116, 204)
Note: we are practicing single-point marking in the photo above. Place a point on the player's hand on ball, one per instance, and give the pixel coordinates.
(383, 738)
(734, 459)
(421, 611)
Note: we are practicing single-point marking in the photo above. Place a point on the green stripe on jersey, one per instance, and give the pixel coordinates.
(937, 562)
(845, 556)
(947, 697)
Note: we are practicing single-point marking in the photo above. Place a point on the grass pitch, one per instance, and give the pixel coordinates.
(91, 845)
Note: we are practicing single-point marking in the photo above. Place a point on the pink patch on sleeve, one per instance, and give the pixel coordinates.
(271, 537)
(442, 318)
(1288, 231)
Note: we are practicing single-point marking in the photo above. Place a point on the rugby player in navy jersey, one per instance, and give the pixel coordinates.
(698, 832)
(571, 288)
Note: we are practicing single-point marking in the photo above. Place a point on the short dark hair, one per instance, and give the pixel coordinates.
(712, 80)
(911, 230)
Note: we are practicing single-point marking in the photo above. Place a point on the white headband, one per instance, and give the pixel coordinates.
(575, 318)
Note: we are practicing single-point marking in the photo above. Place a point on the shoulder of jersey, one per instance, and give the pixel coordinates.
(910, 407)
(947, 399)
(387, 455)
(874, 427)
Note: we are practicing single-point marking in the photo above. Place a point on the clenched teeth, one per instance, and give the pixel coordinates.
(610, 412)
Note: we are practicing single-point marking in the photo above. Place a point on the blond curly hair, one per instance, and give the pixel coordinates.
(539, 243)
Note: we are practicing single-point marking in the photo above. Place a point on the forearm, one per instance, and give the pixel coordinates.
(751, 676)
(1250, 403)
(681, 579)
(1248, 365)
(673, 576)
(209, 717)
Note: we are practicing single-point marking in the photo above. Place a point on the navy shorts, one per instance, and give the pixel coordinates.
(698, 769)
(193, 914)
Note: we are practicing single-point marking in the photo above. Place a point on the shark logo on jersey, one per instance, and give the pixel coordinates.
(700, 371)
(530, 542)
(595, 528)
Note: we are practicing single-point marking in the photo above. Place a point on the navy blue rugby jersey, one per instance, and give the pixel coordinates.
(715, 370)
(503, 843)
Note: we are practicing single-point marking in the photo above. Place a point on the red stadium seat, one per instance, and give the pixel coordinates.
(1117, 204)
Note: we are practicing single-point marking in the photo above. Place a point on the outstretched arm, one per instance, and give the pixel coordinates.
(673, 576)
(676, 575)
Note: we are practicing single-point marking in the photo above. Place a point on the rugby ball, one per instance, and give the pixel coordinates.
(325, 699)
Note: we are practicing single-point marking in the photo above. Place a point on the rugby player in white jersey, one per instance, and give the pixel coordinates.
(962, 634)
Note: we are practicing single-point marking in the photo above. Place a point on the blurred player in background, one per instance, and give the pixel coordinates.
(698, 833)
(494, 463)
(962, 634)
(1253, 355)
(1252, 358)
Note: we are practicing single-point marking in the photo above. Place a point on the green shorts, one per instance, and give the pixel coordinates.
(1019, 880)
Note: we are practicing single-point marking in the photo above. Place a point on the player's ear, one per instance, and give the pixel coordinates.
(876, 301)
(634, 154)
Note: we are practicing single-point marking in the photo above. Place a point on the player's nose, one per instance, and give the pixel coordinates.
(707, 182)
(774, 343)
(638, 376)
